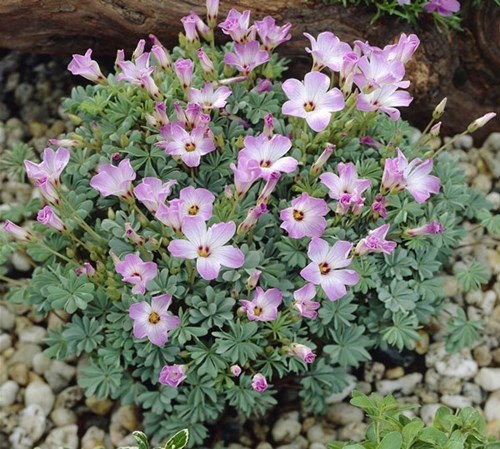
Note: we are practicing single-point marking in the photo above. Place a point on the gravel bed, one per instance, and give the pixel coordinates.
(41, 404)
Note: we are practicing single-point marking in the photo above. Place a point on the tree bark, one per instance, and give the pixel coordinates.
(462, 66)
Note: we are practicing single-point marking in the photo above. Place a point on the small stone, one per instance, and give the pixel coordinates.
(405, 384)
(494, 260)
(69, 397)
(99, 406)
(473, 392)
(343, 414)
(494, 199)
(66, 437)
(95, 437)
(428, 411)
(493, 429)
(488, 304)
(422, 345)
(286, 430)
(62, 417)
(456, 401)
(426, 396)
(25, 353)
(5, 342)
(261, 445)
(458, 365)
(482, 355)
(431, 379)
(346, 391)
(59, 375)
(449, 385)
(128, 417)
(364, 387)
(3, 370)
(19, 373)
(492, 407)
(488, 379)
(492, 143)
(21, 262)
(7, 319)
(20, 439)
(33, 334)
(496, 356)
(39, 393)
(474, 298)
(464, 142)
(320, 434)
(317, 446)
(33, 420)
(8, 392)
(353, 432)
(482, 182)
(374, 371)
(395, 373)
(41, 363)
(493, 324)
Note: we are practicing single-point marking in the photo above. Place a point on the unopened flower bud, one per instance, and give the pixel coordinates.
(480, 122)
(268, 125)
(139, 49)
(67, 143)
(162, 56)
(212, 12)
(48, 217)
(251, 219)
(264, 85)
(431, 228)
(132, 235)
(235, 370)
(269, 187)
(439, 110)
(434, 131)
(87, 269)
(206, 63)
(322, 159)
(253, 279)
(227, 192)
(17, 232)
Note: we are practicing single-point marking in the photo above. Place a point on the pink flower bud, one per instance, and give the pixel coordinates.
(251, 219)
(206, 63)
(303, 352)
(17, 232)
(431, 228)
(212, 12)
(439, 110)
(268, 189)
(202, 28)
(268, 125)
(48, 217)
(189, 24)
(87, 269)
(434, 131)
(322, 159)
(480, 122)
(132, 235)
(259, 383)
(67, 143)
(253, 279)
(264, 85)
(162, 56)
(173, 375)
(139, 49)
(184, 71)
(235, 370)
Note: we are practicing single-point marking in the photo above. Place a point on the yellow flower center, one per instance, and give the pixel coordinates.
(265, 164)
(324, 268)
(190, 147)
(193, 210)
(203, 251)
(309, 106)
(298, 215)
(154, 318)
(257, 310)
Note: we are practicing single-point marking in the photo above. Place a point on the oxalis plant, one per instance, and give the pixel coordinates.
(210, 235)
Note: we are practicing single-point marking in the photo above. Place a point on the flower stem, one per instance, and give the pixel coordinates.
(9, 280)
(440, 149)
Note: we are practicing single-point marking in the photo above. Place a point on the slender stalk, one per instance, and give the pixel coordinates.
(9, 280)
(56, 253)
(448, 144)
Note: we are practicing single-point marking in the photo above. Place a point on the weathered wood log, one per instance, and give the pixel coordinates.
(463, 66)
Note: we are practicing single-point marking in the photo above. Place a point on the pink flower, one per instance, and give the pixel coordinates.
(327, 50)
(322, 159)
(481, 121)
(197, 202)
(303, 352)
(326, 267)
(264, 305)
(46, 174)
(375, 242)
(259, 383)
(268, 189)
(268, 126)
(190, 146)
(245, 174)
(378, 206)
(206, 63)
(153, 321)
(434, 227)
(152, 192)
(413, 176)
(237, 26)
(235, 370)
(189, 24)
(87, 269)
(376, 70)
(184, 71)
(139, 73)
(444, 8)
(173, 375)
(84, 66)
(303, 303)
(111, 180)
(189, 119)
(209, 99)
(404, 49)
(268, 154)
(312, 100)
(246, 57)
(272, 35)
(48, 217)
(172, 215)
(305, 217)
(345, 188)
(254, 213)
(264, 85)
(385, 99)
(17, 232)
(136, 272)
(162, 56)
(212, 12)
(208, 247)
(159, 117)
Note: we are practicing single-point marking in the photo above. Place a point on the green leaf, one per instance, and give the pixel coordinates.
(461, 332)
(179, 440)
(142, 439)
(392, 440)
(472, 276)
(351, 346)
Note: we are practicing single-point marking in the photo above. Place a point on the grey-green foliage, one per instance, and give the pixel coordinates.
(390, 428)
(395, 296)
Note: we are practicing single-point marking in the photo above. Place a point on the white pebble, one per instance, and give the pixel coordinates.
(492, 407)
(32, 334)
(488, 379)
(8, 392)
(33, 420)
(7, 319)
(456, 401)
(19, 439)
(405, 384)
(20, 261)
(40, 393)
(66, 437)
(41, 363)
(346, 391)
(62, 417)
(5, 342)
(428, 411)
